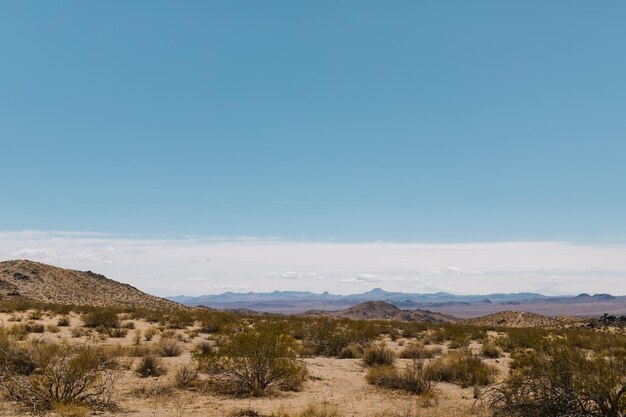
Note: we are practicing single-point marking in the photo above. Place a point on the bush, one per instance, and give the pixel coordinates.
(150, 333)
(118, 332)
(50, 373)
(489, 350)
(102, 317)
(377, 355)
(352, 351)
(169, 348)
(463, 369)
(185, 375)
(64, 321)
(417, 350)
(415, 378)
(561, 380)
(150, 365)
(254, 362)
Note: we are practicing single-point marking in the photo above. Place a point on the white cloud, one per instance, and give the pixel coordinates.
(294, 275)
(161, 265)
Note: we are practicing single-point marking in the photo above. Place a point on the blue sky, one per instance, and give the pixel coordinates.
(347, 121)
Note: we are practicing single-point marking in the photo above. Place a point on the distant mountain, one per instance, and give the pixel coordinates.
(377, 294)
(381, 310)
(23, 279)
(456, 305)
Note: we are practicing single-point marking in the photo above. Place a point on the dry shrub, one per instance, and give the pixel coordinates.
(49, 374)
(463, 369)
(169, 348)
(417, 350)
(378, 355)
(255, 362)
(185, 376)
(150, 333)
(70, 410)
(150, 365)
(117, 332)
(321, 410)
(414, 378)
(64, 321)
(490, 350)
(352, 351)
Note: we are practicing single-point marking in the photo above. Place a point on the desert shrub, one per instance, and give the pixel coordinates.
(53, 328)
(417, 350)
(51, 373)
(150, 365)
(254, 362)
(562, 380)
(35, 315)
(377, 355)
(101, 317)
(415, 378)
(204, 347)
(463, 369)
(180, 319)
(525, 338)
(117, 332)
(64, 321)
(504, 343)
(490, 350)
(352, 351)
(130, 325)
(78, 332)
(185, 376)
(150, 333)
(168, 348)
(321, 410)
(327, 337)
(34, 327)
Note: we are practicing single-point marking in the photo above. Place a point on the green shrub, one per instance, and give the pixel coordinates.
(102, 317)
(562, 380)
(254, 362)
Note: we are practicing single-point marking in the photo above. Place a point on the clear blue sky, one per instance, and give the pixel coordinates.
(397, 121)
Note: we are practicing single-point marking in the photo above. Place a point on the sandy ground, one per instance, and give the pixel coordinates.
(340, 382)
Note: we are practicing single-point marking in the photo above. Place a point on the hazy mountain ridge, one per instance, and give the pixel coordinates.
(464, 306)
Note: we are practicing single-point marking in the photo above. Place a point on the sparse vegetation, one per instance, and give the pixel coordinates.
(463, 369)
(414, 378)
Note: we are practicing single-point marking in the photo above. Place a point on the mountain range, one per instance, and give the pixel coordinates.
(457, 305)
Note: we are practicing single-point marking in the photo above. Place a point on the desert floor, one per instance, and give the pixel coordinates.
(338, 382)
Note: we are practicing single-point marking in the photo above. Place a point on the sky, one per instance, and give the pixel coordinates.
(358, 130)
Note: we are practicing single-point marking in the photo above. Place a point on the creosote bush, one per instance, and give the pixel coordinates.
(417, 350)
(558, 379)
(42, 374)
(254, 362)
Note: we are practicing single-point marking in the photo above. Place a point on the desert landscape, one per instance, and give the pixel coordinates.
(124, 353)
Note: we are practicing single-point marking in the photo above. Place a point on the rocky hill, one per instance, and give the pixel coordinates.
(522, 319)
(23, 279)
(380, 310)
